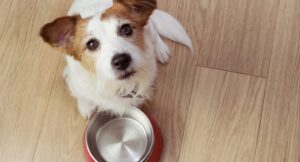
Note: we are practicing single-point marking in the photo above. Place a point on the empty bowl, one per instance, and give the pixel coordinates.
(129, 138)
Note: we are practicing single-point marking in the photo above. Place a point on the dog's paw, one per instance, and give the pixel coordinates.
(66, 73)
(87, 109)
(162, 51)
(163, 56)
(89, 114)
(92, 113)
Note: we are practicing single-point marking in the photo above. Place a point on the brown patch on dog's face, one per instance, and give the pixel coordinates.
(61, 34)
(137, 11)
(137, 36)
(88, 62)
(66, 34)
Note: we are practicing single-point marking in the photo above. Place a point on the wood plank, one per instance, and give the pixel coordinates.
(224, 117)
(238, 35)
(5, 13)
(62, 133)
(279, 137)
(27, 73)
(173, 88)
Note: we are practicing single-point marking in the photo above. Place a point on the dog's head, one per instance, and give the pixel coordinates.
(111, 45)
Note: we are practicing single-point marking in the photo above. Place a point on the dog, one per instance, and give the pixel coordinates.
(111, 56)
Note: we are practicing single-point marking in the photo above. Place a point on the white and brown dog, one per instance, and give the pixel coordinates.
(111, 56)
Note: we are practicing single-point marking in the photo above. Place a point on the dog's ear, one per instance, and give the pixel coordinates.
(60, 33)
(140, 10)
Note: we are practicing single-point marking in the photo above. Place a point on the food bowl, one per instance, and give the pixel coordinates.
(134, 137)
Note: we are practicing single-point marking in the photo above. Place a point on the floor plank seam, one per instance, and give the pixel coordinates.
(260, 121)
(240, 73)
(6, 18)
(43, 122)
(274, 31)
(195, 67)
(187, 116)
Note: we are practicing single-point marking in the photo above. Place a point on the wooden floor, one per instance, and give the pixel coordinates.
(236, 100)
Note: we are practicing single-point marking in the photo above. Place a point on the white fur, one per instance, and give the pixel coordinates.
(88, 8)
(102, 90)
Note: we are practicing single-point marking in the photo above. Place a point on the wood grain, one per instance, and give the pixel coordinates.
(279, 137)
(174, 83)
(224, 117)
(238, 35)
(62, 132)
(227, 119)
(27, 71)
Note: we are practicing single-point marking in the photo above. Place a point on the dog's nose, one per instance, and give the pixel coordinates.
(121, 61)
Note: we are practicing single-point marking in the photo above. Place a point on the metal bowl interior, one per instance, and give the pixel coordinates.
(120, 139)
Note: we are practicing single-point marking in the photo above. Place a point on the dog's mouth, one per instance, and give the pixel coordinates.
(126, 75)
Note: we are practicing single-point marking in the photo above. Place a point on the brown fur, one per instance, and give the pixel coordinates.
(136, 10)
(66, 34)
(87, 59)
(119, 11)
(61, 34)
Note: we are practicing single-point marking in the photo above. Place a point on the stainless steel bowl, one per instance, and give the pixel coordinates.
(111, 138)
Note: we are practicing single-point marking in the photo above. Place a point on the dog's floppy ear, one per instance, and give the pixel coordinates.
(140, 10)
(60, 33)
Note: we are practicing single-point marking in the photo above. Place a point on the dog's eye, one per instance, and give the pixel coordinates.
(92, 44)
(126, 30)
